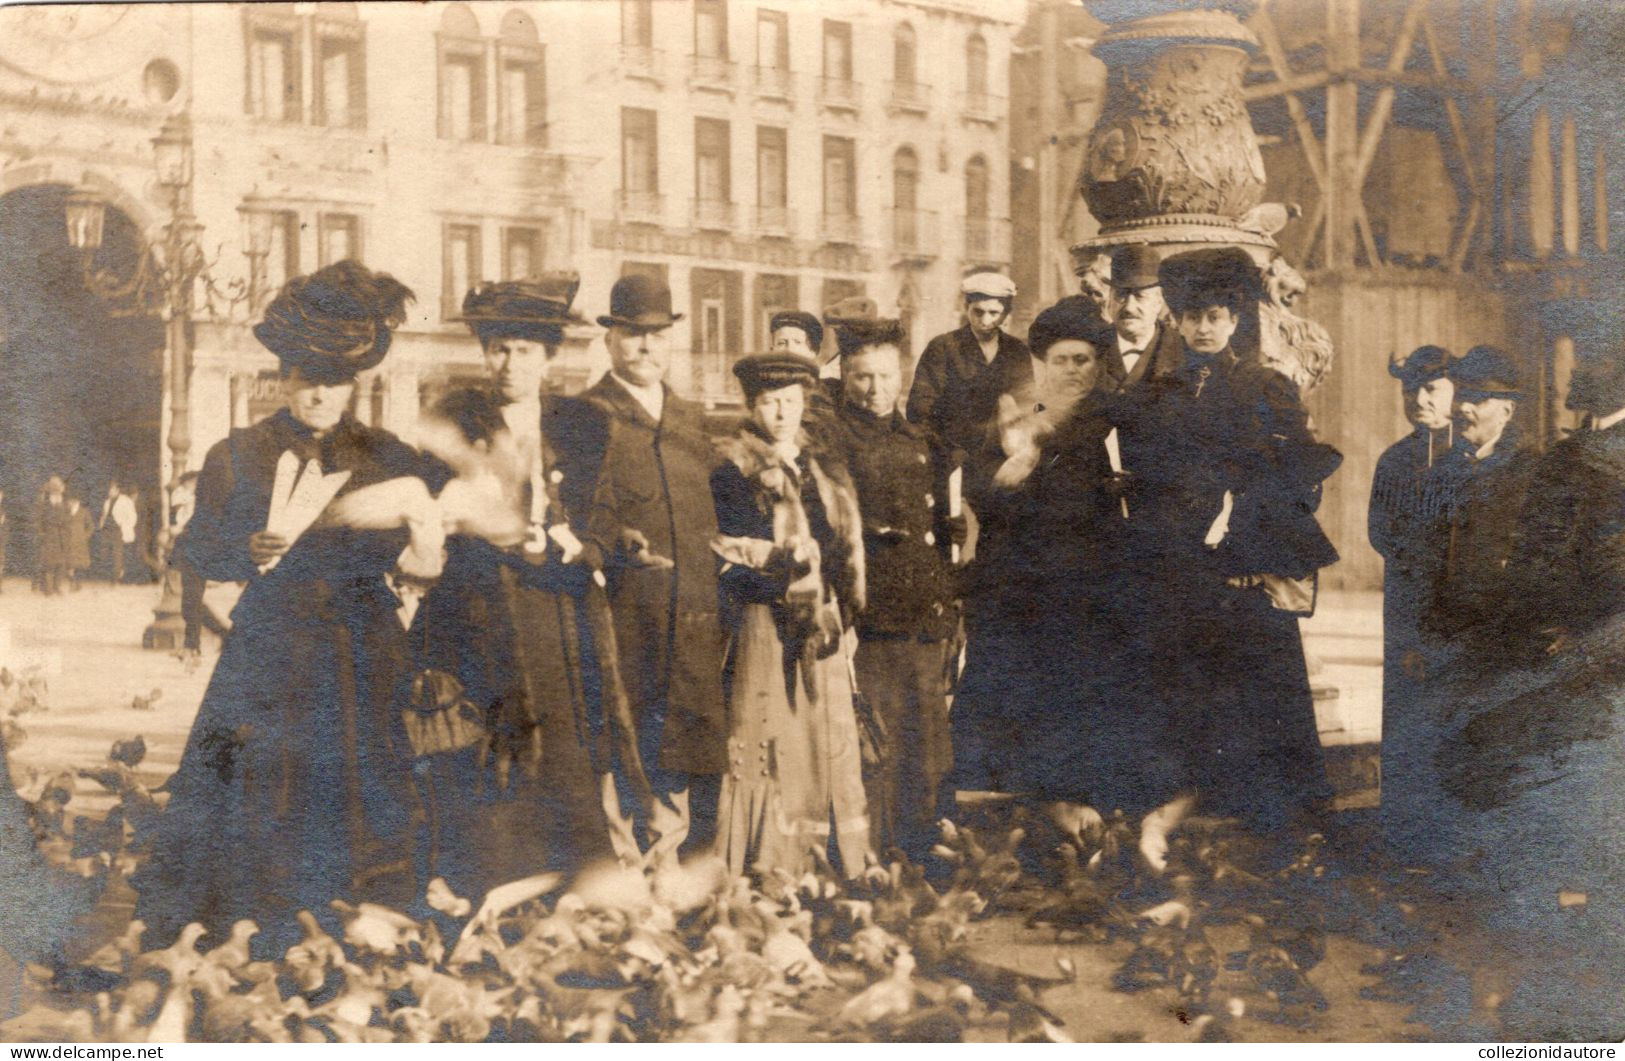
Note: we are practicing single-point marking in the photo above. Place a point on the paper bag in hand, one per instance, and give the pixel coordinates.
(298, 498)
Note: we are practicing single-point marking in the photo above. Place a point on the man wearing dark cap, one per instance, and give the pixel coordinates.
(1410, 498)
(904, 632)
(650, 532)
(1144, 342)
(1491, 473)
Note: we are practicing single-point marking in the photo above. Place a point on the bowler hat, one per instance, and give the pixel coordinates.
(542, 299)
(334, 323)
(641, 303)
(798, 318)
(1421, 365)
(1135, 266)
(1486, 372)
(1212, 276)
(765, 372)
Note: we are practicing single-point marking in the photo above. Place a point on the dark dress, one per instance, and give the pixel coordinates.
(294, 788)
(516, 632)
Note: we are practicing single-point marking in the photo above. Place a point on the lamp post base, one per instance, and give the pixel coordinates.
(167, 631)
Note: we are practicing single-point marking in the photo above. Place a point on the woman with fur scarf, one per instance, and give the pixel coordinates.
(791, 553)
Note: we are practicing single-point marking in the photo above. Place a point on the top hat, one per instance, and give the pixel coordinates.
(798, 318)
(1486, 372)
(765, 372)
(641, 303)
(1134, 266)
(334, 323)
(1421, 365)
(1211, 276)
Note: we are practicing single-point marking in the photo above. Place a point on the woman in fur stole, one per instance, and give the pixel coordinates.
(791, 554)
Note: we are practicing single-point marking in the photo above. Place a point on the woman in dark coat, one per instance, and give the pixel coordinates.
(1050, 706)
(1246, 466)
(507, 633)
(294, 788)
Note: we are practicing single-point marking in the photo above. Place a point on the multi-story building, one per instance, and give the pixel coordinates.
(758, 154)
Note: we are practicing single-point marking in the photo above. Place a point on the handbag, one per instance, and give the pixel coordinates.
(440, 717)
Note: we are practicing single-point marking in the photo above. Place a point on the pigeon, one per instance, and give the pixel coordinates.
(148, 702)
(888, 998)
(129, 752)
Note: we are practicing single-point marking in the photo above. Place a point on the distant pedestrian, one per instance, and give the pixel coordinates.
(80, 530)
(115, 531)
(51, 536)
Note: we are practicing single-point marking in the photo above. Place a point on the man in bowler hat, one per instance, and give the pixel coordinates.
(650, 531)
(1143, 341)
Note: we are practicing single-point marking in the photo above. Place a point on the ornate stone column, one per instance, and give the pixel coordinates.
(1173, 161)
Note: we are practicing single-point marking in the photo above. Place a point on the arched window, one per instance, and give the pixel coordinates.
(905, 55)
(462, 75)
(459, 21)
(519, 28)
(905, 170)
(521, 82)
(976, 66)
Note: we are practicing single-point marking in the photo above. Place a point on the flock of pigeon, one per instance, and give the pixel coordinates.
(1227, 927)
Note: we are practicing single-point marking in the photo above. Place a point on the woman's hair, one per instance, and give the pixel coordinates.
(852, 336)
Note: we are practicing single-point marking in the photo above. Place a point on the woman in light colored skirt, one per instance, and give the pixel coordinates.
(791, 553)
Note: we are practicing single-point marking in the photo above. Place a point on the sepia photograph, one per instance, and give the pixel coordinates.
(812, 521)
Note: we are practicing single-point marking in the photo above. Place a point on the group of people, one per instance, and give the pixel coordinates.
(72, 542)
(566, 629)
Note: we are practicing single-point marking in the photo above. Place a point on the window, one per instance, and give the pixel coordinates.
(638, 23)
(837, 50)
(341, 75)
(976, 191)
(521, 252)
(772, 40)
(711, 182)
(773, 294)
(710, 29)
(522, 84)
(718, 306)
(904, 56)
(462, 266)
(772, 168)
(340, 236)
(905, 179)
(840, 177)
(838, 288)
(282, 252)
(976, 66)
(274, 74)
(462, 75)
(640, 171)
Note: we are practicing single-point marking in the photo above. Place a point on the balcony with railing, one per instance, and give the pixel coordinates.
(913, 233)
(987, 240)
(774, 221)
(982, 107)
(641, 207)
(909, 97)
(716, 72)
(716, 215)
(841, 228)
(642, 61)
(773, 82)
(840, 93)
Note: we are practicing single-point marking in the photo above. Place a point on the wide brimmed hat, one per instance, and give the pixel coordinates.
(537, 300)
(765, 372)
(987, 285)
(334, 323)
(1135, 267)
(641, 303)
(1486, 372)
(798, 318)
(1421, 365)
(1073, 317)
(1212, 276)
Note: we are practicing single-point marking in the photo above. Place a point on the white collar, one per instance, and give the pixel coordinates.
(1124, 346)
(524, 419)
(652, 398)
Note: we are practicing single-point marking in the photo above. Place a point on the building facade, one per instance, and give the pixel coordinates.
(757, 155)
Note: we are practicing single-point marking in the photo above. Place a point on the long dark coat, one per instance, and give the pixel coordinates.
(294, 788)
(1231, 669)
(53, 531)
(656, 478)
(956, 390)
(518, 635)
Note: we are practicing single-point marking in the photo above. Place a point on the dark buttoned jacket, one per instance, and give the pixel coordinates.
(956, 389)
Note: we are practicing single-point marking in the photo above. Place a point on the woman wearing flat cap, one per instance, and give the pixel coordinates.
(791, 576)
(516, 635)
(1228, 501)
(294, 787)
(1410, 498)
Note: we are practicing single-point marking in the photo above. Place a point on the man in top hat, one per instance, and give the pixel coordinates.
(651, 527)
(1490, 474)
(911, 617)
(1142, 337)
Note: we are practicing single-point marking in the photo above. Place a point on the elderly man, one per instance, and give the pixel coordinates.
(903, 634)
(1145, 342)
(1489, 474)
(651, 527)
